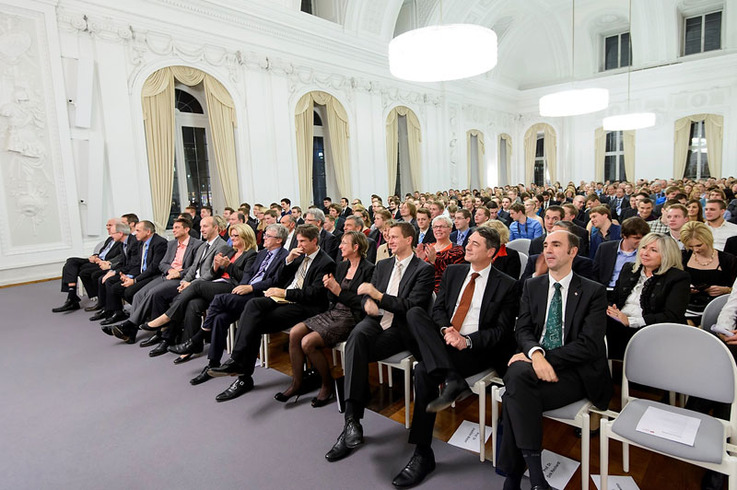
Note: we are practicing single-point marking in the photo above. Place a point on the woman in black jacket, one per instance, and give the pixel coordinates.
(310, 337)
(653, 289)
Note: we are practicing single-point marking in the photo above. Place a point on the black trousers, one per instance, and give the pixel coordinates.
(438, 358)
(188, 308)
(223, 310)
(71, 270)
(368, 342)
(90, 276)
(115, 292)
(617, 337)
(264, 315)
(524, 401)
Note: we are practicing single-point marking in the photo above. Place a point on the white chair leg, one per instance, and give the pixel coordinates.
(672, 398)
(266, 350)
(482, 422)
(381, 373)
(604, 453)
(494, 421)
(407, 368)
(585, 450)
(626, 457)
(390, 376)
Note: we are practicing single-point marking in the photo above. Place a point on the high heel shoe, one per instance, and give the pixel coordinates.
(281, 397)
(317, 402)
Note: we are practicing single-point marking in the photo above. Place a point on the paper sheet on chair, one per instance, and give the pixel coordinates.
(558, 470)
(467, 436)
(668, 425)
(616, 482)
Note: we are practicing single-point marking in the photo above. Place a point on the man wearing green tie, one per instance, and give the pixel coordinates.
(562, 359)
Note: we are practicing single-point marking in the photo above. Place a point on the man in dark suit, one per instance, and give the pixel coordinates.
(327, 241)
(471, 329)
(305, 295)
(618, 203)
(179, 257)
(398, 284)
(347, 211)
(462, 221)
(142, 269)
(611, 256)
(579, 229)
(552, 215)
(290, 224)
(83, 267)
(424, 223)
(226, 308)
(560, 333)
(355, 223)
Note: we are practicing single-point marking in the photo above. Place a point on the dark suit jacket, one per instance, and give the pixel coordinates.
(118, 262)
(730, 246)
(236, 269)
(583, 348)
(495, 335)
(329, 243)
(339, 224)
(349, 297)
(171, 253)
(428, 238)
(454, 236)
(156, 250)
(114, 251)
(415, 288)
(293, 243)
(582, 266)
(510, 263)
(371, 252)
(206, 271)
(271, 276)
(604, 261)
(313, 292)
(664, 297)
(504, 217)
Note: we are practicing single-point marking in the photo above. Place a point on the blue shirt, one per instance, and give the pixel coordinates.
(615, 233)
(531, 229)
(622, 258)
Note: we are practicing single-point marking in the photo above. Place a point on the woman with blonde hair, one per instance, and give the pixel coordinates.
(712, 272)
(506, 259)
(653, 289)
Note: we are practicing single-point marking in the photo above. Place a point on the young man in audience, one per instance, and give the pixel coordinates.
(398, 285)
(336, 212)
(552, 215)
(602, 228)
(482, 215)
(297, 215)
(305, 296)
(424, 233)
(463, 230)
(720, 228)
(660, 225)
(677, 216)
(408, 213)
(536, 265)
(522, 226)
(284, 205)
(562, 358)
(612, 255)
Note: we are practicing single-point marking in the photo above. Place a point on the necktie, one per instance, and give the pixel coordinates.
(554, 325)
(262, 270)
(392, 290)
(465, 303)
(422, 237)
(202, 258)
(145, 254)
(301, 273)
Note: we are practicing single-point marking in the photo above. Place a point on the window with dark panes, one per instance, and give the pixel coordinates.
(697, 160)
(617, 51)
(702, 33)
(539, 175)
(614, 157)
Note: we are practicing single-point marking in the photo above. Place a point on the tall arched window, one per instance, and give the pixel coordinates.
(403, 139)
(540, 154)
(614, 155)
(505, 159)
(698, 146)
(476, 162)
(175, 131)
(322, 149)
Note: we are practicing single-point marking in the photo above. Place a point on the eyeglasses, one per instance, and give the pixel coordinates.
(439, 227)
(270, 236)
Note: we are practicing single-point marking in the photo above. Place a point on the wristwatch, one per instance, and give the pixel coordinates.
(469, 344)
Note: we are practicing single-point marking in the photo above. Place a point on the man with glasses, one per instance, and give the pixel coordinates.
(327, 241)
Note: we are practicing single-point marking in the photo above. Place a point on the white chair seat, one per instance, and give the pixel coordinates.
(708, 446)
(570, 411)
(402, 360)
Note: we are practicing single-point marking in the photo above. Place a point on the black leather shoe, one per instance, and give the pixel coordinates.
(339, 449)
(181, 359)
(68, 305)
(229, 368)
(96, 307)
(187, 347)
(127, 335)
(159, 349)
(149, 328)
(541, 487)
(451, 391)
(107, 329)
(236, 389)
(201, 378)
(353, 433)
(152, 340)
(100, 315)
(118, 316)
(416, 470)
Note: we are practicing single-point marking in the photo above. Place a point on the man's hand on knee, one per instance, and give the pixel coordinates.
(542, 368)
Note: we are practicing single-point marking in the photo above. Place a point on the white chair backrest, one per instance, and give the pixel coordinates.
(681, 358)
(712, 310)
(522, 263)
(520, 245)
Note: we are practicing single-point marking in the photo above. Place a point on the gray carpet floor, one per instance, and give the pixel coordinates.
(82, 410)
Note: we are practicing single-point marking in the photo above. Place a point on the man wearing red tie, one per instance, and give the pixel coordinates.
(471, 328)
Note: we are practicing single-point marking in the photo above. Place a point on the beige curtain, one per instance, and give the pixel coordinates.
(628, 138)
(508, 163)
(157, 98)
(599, 154)
(550, 149)
(414, 137)
(480, 149)
(713, 129)
(337, 122)
(305, 132)
(221, 114)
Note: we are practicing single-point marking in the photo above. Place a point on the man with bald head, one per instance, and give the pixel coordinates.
(562, 357)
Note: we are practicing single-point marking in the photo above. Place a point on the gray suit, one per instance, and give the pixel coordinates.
(141, 306)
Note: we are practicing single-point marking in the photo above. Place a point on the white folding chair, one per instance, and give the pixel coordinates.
(658, 356)
(478, 383)
(575, 414)
(712, 310)
(403, 361)
(523, 258)
(520, 245)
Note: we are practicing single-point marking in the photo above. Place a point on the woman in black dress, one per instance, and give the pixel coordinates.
(327, 329)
